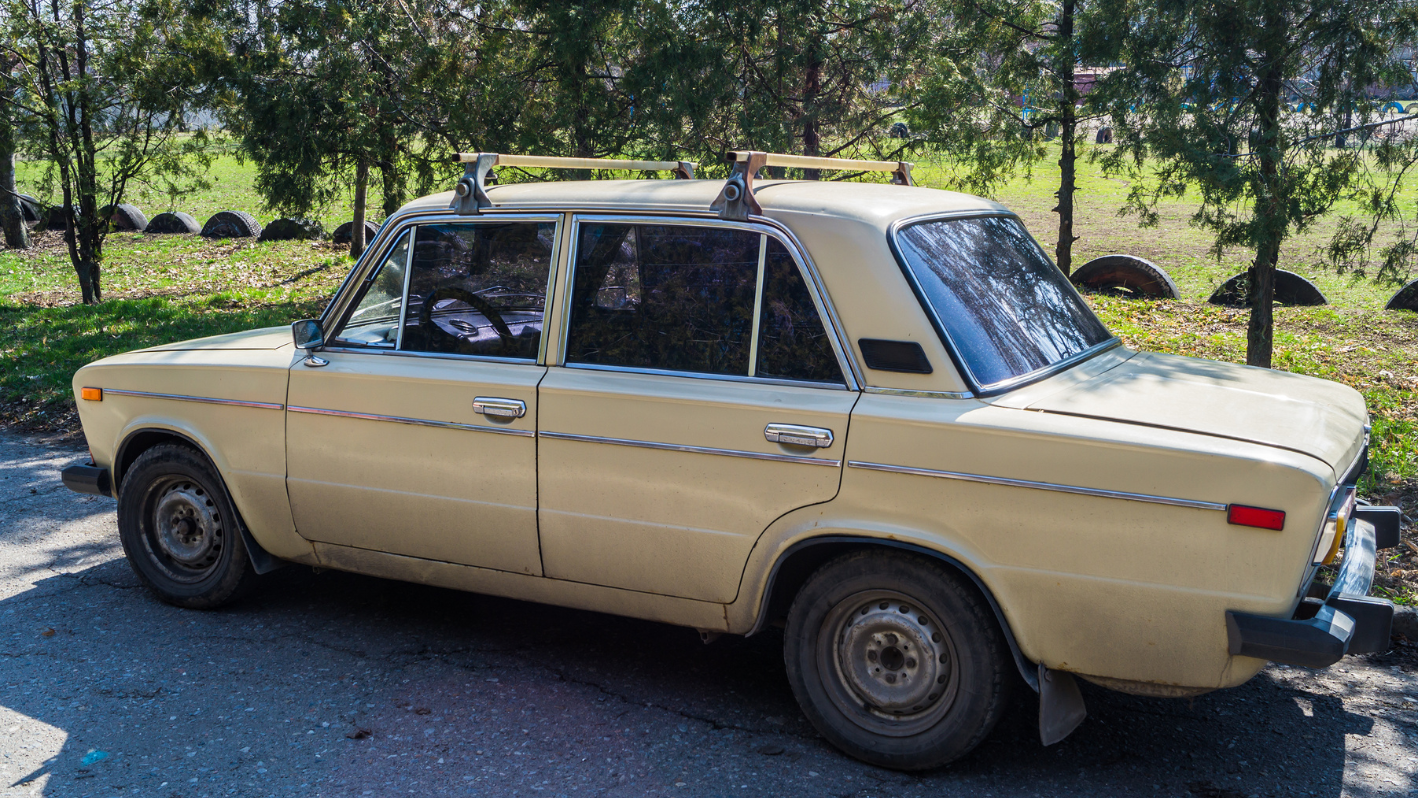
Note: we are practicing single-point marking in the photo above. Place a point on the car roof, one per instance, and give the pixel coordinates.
(875, 202)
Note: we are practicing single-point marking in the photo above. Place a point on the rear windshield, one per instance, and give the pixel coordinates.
(1006, 308)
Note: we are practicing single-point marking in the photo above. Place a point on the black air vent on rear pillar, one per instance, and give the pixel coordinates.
(905, 356)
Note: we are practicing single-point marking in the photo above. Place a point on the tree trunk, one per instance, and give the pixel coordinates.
(361, 188)
(11, 218)
(1068, 124)
(1270, 203)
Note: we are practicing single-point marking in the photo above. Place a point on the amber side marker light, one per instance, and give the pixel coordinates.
(1258, 517)
(91, 394)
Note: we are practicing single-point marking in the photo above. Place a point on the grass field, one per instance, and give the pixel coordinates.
(168, 288)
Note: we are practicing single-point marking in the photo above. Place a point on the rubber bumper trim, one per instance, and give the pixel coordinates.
(1349, 621)
(87, 479)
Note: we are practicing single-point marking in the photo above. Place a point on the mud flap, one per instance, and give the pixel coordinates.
(1061, 706)
(261, 560)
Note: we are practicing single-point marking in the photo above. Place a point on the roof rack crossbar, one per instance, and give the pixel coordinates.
(470, 195)
(736, 200)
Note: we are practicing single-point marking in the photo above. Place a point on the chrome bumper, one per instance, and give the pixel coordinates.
(1345, 621)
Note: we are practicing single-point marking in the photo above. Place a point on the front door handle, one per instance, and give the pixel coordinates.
(500, 408)
(794, 435)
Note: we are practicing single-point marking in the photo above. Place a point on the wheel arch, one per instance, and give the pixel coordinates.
(796, 564)
(141, 439)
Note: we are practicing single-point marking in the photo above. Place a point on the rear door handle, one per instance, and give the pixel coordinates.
(794, 435)
(501, 408)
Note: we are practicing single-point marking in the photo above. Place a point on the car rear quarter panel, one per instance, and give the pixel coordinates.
(246, 444)
(1098, 586)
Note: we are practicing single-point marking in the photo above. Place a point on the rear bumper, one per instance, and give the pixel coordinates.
(1346, 621)
(87, 479)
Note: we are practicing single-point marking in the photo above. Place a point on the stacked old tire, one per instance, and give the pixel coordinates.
(124, 217)
(345, 232)
(231, 224)
(292, 230)
(1127, 276)
(173, 223)
(1290, 289)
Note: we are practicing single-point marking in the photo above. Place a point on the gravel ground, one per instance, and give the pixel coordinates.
(331, 684)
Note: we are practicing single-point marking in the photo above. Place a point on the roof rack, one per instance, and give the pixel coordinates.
(736, 200)
(470, 195)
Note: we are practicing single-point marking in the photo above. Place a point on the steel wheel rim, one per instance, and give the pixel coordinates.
(888, 664)
(185, 533)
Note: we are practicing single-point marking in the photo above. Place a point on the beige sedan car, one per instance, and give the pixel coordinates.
(876, 416)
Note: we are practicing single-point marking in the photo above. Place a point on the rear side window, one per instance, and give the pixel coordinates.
(686, 298)
(792, 343)
(1006, 307)
(479, 288)
(668, 297)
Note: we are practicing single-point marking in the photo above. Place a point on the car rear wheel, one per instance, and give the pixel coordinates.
(180, 530)
(896, 660)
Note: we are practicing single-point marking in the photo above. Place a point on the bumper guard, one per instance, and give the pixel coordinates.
(1347, 621)
(87, 479)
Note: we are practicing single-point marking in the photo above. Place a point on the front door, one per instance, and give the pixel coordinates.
(418, 436)
(700, 398)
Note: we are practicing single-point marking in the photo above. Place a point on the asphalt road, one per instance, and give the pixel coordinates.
(331, 684)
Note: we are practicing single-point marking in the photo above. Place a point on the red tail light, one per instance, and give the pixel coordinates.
(1259, 517)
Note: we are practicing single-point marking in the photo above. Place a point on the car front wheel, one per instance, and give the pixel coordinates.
(896, 660)
(180, 530)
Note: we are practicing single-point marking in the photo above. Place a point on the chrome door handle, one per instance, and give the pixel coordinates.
(794, 435)
(501, 408)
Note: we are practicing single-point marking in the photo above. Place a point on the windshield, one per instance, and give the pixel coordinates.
(1007, 309)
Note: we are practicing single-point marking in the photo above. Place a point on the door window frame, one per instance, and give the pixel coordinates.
(374, 258)
(825, 312)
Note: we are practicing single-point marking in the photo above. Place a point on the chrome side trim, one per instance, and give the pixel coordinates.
(1022, 483)
(699, 375)
(920, 394)
(418, 422)
(675, 447)
(203, 399)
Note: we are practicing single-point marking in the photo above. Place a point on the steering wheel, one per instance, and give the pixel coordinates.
(472, 300)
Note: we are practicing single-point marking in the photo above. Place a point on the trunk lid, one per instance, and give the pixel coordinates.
(1317, 417)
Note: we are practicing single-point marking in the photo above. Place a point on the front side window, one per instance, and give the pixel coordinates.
(1008, 310)
(479, 289)
(375, 320)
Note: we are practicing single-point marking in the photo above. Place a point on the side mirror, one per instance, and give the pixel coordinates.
(307, 334)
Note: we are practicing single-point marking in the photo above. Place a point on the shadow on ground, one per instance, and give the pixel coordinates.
(336, 684)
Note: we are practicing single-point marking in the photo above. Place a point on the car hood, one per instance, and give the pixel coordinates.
(267, 338)
(1312, 416)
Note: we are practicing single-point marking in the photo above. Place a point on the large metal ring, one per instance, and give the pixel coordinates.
(894, 664)
(187, 528)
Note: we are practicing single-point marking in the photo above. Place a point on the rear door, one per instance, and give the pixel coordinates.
(700, 397)
(418, 437)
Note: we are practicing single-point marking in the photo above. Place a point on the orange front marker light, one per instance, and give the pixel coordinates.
(1258, 517)
(91, 394)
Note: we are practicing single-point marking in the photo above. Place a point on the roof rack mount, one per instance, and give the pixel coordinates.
(470, 195)
(736, 200)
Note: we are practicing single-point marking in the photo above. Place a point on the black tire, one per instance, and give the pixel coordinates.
(345, 232)
(292, 230)
(929, 627)
(1126, 275)
(180, 530)
(31, 210)
(55, 217)
(231, 224)
(1290, 289)
(1104, 136)
(126, 218)
(173, 223)
(1406, 298)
